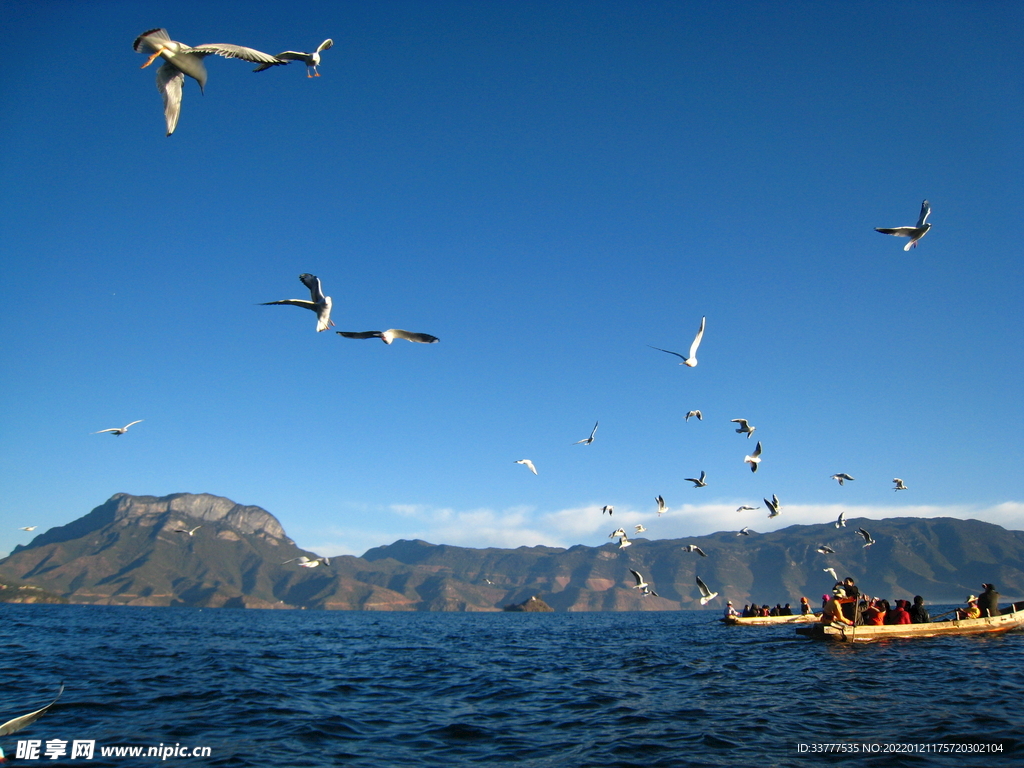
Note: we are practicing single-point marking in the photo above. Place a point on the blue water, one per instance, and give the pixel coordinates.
(305, 688)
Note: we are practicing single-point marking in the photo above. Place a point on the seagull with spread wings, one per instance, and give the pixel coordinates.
(181, 60)
(191, 532)
(755, 458)
(841, 522)
(694, 548)
(311, 60)
(588, 440)
(305, 562)
(868, 541)
(318, 302)
(899, 484)
(914, 233)
(390, 335)
(529, 465)
(691, 359)
(662, 509)
(698, 414)
(698, 482)
(706, 594)
(118, 430)
(744, 427)
(773, 506)
(840, 477)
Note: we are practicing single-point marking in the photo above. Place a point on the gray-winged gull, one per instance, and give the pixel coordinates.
(755, 458)
(118, 430)
(319, 303)
(691, 359)
(706, 594)
(914, 233)
(529, 465)
(390, 335)
(588, 440)
(698, 482)
(311, 60)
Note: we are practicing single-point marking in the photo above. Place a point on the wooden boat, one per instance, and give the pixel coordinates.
(766, 621)
(1011, 618)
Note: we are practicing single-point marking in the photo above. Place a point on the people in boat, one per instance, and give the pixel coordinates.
(730, 611)
(988, 601)
(833, 610)
(766, 610)
(787, 610)
(805, 607)
(874, 614)
(918, 613)
(898, 614)
(972, 611)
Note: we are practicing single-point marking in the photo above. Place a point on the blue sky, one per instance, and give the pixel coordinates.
(549, 188)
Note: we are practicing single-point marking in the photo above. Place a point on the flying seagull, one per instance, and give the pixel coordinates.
(840, 477)
(15, 725)
(118, 430)
(319, 303)
(698, 482)
(529, 464)
(694, 548)
(868, 541)
(899, 484)
(706, 594)
(831, 571)
(29, 528)
(186, 530)
(744, 427)
(639, 528)
(640, 583)
(609, 509)
(588, 440)
(841, 522)
(914, 233)
(773, 506)
(390, 335)
(755, 458)
(311, 60)
(620, 533)
(698, 414)
(691, 360)
(624, 542)
(746, 508)
(825, 549)
(744, 532)
(662, 509)
(306, 562)
(181, 60)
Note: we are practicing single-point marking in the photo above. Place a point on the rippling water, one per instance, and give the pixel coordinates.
(425, 689)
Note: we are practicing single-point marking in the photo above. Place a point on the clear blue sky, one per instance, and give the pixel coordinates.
(549, 187)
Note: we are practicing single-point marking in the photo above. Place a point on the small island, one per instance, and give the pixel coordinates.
(533, 604)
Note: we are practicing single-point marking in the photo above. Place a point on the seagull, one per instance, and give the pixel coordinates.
(841, 522)
(706, 594)
(755, 458)
(390, 335)
(640, 583)
(694, 548)
(181, 60)
(186, 530)
(620, 533)
(305, 562)
(624, 542)
(840, 477)
(773, 506)
(29, 528)
(15, 725)
(744, 427)
(698, 482)
(588, 440)
(698, 414)
(914, 233)
(746, 508)
(646, 592)
(690, 361)
(662, 509)
(311, 60)
(609, 509)
(868, 541)
(118, 430)
(831, 571)
(744, 532)
(529, 464)
(899, 484)
(639, 528)
(319, 303)
(825, 549)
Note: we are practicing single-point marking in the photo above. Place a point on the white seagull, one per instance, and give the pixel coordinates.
(746, 508)
(773, 506)
(755, 458)
(620, 533)
(744, 532)
(825, 549)
(624, 542)
(698, 482)
(868, 541)
(662, 509)
(609, 509)
(319, 303)
(588, 440)
(15, 725)
(639, 528)
(186, 530)
(691, 360)
(311, 60)
(306, 562)
(744, 427)
(840, 477)
(640, 583)
(184, 60)
(899, 484)
(706, 594)
(29, 528)
(390, 335)
(529, 465)
(698, 414)
(841, 522)
(694, 548)
(831, 571)
(914, 233)
(118, 430)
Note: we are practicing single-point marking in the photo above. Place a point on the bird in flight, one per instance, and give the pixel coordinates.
(914, 233)
(190, 532)
(744, 532)
(15, 725)
(773, 506)
(698, 414)
(899, 484)
(831, 571)
(841, 477)
(825, 549)
(609, 509)
(746, 508)
(639, 528)
(698, 482)
(640, 583)
(662, 509)
(305, 562)
(706, 594)
(841, 522)
(588, 440)
(529, 465)
(744, 427)
(311, 60)
(319, 303)
(624, 542)
(118, 430)
(619, 533)
(29, 528)
(390, 335)
(694, 548)
(755, 458)
(181, 60)
(691, 359)
(868, 541)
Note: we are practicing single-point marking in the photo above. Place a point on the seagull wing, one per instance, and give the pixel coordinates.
(113, 429)
(229, 51)
(361, 334)
(699, 551)
(134, 422)
(294, 302)
(637, 576)
(313, 283)
(169, 80)
(325, 45)
(419, 338)
(926, 210)
(696, 339)
(757, 450)
(668, 351)
(12, 726)
(898, 231)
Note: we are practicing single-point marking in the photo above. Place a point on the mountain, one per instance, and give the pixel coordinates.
(127, 552)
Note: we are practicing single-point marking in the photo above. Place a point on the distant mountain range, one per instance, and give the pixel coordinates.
(128, 552)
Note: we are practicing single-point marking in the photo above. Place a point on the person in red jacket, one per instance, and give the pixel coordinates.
(898, 615)
(874, 614)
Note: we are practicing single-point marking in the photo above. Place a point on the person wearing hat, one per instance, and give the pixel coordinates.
(833, 610)
(730, 611)
(972, 611)
(988, 601)
(805, 607)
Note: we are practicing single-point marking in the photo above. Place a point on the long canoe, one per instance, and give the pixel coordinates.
(1011, 618)
(764, 621)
